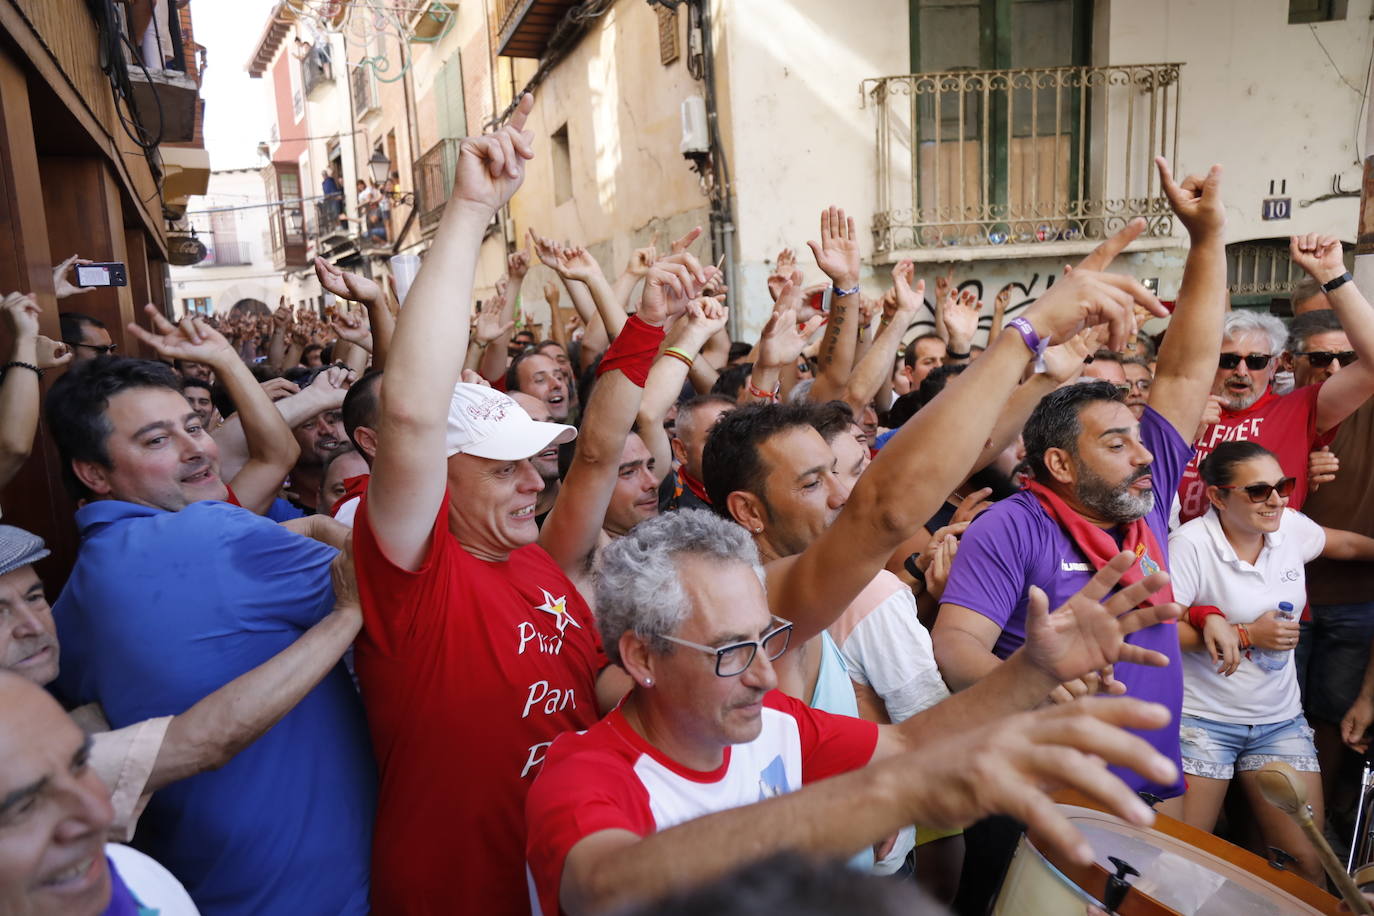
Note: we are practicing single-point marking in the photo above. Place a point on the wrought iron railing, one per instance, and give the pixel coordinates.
(994, 157)
(317, 68)
(434, 180)
(330, 218)
(364, 83)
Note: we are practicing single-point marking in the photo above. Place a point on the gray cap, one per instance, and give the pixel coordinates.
(19, 548)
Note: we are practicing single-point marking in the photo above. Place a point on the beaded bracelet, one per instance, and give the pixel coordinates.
(22, 365)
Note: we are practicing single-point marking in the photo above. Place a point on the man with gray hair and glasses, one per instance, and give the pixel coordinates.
(1291, 425)
(705, 765)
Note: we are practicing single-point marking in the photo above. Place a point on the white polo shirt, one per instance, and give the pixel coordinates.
(1205, 570)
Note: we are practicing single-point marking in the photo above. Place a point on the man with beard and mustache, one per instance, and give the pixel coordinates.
(1291, 425)
(1096, 472)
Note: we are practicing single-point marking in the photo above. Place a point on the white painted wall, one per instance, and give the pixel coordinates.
(1261, 97)
(227, 285)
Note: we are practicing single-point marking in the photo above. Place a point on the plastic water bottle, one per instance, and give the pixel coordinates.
(1274, 659)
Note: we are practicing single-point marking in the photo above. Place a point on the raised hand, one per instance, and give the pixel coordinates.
(681, 245)
(52, 353)
(492, 167)
(1197, 201)
(1320, 255)
(546, 250)
(20, 312)
(192, 339)
(63, 287)
(783, 340)
(487, 324)
(1088, 632)
(943, 284)
(643, 258)
(344, 284)
(668, 287)
(281, 318)
(1064, 362)
(837, 253)
(1085, 296)
(352, 327)
(909, 301)
(704, 316)
(960, 311)
(575, 263)
(782, 270)
(518, 264)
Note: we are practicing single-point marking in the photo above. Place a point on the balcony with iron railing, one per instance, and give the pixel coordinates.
(226, 253)
(364, 85)
(1007, 163)
(433, 173)
(330, 218)
(286, 227)
(524, 27)
(317, 69)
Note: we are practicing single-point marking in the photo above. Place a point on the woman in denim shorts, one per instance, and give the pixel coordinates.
(1232, 568)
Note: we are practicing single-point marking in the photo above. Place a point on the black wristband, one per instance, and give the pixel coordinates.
(910, 565)
(17, 364)
(1337, 282)
(952, 355)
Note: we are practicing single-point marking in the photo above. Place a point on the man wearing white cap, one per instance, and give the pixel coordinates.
(477, 649)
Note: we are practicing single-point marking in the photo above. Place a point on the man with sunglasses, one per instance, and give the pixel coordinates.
(705, 765)
(1334, 649)
(1294, 424)
(87, 336)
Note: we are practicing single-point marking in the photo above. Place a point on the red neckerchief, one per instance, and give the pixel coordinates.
(696, 486)
(353, 486)
(1099, 546)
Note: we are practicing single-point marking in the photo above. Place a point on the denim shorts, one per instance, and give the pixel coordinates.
(1217, 750)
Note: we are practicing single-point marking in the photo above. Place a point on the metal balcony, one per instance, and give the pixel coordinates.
(364, 84)
(525, 26)
(987, 158)
(226, 253)
(433, 173)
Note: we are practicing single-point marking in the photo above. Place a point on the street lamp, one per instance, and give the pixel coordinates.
(380, 166)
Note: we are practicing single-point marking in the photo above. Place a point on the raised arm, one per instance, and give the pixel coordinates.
(780, 344)
(381, 319)
(576, 264)
(1188, 356)
(960, 312)
(1345, 391)
(641, 259)
(281, 327)
(326, 392)
(572, 530)
(212, 732)
(499, 310)
(19, 391)
(669, 371)
(936, 449)
(271, 447)
(837, 255)
(410, 473)
(876, 364)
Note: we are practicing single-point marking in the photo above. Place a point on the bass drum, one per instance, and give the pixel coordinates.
(1182, 872)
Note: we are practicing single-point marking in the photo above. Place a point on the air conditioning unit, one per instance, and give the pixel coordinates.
(695, 137)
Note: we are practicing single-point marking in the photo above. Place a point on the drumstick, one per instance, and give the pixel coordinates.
(1283, 788)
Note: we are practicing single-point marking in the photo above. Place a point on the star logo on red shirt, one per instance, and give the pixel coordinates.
(558, 607)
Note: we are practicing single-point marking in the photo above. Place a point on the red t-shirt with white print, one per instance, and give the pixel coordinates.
(1285, 424)
(610, 778)
(468, 669)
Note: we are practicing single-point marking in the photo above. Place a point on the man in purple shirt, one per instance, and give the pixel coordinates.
(1101, 470)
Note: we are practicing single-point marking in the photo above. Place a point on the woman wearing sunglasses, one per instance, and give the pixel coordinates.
(1232, 568)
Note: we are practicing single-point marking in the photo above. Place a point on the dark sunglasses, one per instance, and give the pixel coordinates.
(1254, 361)
(107, 349)
(1320, 359)
(1259, 492)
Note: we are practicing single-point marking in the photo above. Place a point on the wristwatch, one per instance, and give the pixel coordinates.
(1337, 282)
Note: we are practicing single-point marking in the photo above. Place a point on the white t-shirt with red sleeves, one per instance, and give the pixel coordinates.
(610, 778)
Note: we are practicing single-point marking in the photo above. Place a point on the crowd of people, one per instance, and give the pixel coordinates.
(408, 611)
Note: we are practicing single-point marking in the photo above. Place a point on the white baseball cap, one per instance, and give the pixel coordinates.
(489, 424)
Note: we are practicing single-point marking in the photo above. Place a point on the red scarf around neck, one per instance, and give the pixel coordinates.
(696, 486)
(1100, 547)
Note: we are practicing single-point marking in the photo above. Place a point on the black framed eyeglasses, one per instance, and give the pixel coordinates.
(1320, 359)
(734, 659)
(1122, 388)
(100, 349)
(1253, 361)
(1259, 492)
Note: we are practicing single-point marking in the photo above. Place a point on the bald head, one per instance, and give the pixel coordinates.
(55, 808)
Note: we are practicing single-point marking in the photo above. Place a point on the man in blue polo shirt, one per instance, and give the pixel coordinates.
(175, 593)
